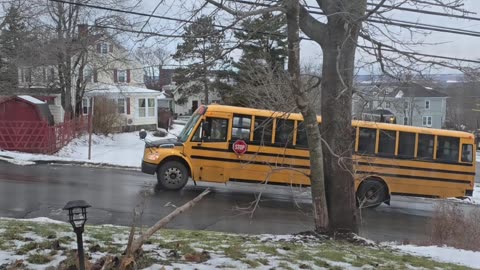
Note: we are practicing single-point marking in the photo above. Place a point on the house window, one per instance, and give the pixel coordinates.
(427, 121)
(85, 105)
(122, 76)
(387, 104)
(121, 105)
(88, 74)
(146, 107)
(26, 75)
(51, 74)
(104, 48)
(405, 105)
(427, 104)
(405, 120)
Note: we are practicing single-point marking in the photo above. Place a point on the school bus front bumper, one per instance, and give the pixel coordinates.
(149, 168)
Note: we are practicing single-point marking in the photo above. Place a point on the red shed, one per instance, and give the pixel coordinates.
(24, 108)
(25, 124)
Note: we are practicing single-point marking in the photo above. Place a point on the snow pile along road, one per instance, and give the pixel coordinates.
(122, 149)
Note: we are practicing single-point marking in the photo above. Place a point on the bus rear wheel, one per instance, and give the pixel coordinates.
(172, 175)
(371, 193)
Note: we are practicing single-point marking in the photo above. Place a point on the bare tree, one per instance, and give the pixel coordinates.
(265, 88)
(72, 47)
(338, 36)
(153, 59)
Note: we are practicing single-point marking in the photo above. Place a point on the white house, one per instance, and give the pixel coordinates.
(110, 72)
(137, 106)
(411, 103)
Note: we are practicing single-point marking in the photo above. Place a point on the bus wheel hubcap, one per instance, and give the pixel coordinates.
(173, 176)
(372, 195)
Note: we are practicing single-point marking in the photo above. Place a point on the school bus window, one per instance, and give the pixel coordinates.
(386, 144)
(241, 127)
(425, 146)
(353, 138)
(301, 135)
(366, 143)
(215, 130)
(189, 127)
(406, 145)
(263, 130)
(467, 153)
(284, 131)
(448, 148)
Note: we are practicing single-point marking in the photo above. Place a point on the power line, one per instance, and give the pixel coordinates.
(390, 22)
(393, 22)
(413, 10)
(177, 36)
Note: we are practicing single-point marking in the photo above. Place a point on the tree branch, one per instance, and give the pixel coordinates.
(372, 11)
(241, 14)
(137, 243)
(311, 26)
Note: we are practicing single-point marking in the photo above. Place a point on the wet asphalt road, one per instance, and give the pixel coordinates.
(42, 190)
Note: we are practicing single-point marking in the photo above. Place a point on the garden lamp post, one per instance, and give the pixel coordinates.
(77, 216)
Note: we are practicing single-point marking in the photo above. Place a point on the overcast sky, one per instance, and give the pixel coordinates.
(452, 45)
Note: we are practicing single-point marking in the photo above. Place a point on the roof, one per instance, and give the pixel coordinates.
(35, 91)
(99, 89)
(31, 99)
(415, 90)
(298, 116)
(379, 112)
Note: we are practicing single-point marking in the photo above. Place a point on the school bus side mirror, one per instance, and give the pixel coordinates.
(142, 134)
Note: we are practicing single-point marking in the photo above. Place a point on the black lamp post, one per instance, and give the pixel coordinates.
(77, 216)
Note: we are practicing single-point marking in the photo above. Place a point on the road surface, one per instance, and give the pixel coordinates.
(42, 190)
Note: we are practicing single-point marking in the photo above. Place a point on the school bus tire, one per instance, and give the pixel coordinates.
(375, 190)
(172, 175)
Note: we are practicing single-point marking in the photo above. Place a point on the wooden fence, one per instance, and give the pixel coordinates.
(38, 136)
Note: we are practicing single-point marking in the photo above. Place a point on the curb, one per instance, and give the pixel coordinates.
(69, 162)
(84, 163)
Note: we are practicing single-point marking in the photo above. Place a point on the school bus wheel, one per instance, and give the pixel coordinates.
(172, 175)
(372, 192)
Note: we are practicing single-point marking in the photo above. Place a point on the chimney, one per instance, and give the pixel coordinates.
(82, 31)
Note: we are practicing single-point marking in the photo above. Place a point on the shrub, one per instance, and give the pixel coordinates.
(451, 226)
(106, 118)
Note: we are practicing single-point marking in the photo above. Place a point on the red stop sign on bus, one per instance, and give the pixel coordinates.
(240, 147)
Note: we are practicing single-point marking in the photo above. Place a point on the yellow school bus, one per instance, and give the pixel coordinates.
(225, 143)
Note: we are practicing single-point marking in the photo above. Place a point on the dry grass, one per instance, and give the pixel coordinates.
(453, 227)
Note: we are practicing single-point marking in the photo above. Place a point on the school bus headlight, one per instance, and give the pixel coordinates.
(153, 156)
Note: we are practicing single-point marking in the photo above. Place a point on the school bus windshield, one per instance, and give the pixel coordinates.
(188, 127)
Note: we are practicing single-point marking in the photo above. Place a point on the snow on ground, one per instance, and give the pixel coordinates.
(124, 149)
(445, 254)
(37, 219)
(476, 193)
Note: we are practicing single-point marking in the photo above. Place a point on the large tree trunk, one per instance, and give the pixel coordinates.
(337, 78)
(319, 203)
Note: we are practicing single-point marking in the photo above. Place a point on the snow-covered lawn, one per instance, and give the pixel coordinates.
(124, 149)
(445, 254)
(42, 243)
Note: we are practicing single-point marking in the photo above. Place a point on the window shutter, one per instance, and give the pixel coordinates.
(95, 75)
(111, 48)
(128, 75)
(115, 77)
(128, 105)
(99, 48)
